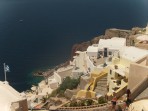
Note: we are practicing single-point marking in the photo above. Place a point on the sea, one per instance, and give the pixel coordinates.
(39, 34)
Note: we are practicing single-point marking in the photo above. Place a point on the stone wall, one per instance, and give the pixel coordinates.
(140, 87)
(83, 82)
(137, 74)
(20, 105)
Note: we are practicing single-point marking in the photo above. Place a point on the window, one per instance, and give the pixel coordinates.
(119, 75)
(100, 52)
(110, 71)
(105, 52)
(110, 53)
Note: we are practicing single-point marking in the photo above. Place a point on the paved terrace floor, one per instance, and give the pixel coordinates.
(65, 73)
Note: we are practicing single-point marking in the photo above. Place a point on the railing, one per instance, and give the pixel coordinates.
(99, 107)
(38, 110)
(118, 92)
(83, 107)
(96, 79)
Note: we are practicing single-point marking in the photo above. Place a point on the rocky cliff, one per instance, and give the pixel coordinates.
(109, 33)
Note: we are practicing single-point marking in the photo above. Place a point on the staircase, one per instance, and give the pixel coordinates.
(101, 87)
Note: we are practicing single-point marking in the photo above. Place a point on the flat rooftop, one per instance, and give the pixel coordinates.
(113, 43)
(132, 53)
(121, 70)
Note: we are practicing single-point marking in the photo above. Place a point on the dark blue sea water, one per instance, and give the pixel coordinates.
(37, 34)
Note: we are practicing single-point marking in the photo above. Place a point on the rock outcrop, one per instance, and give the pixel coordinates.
(95, 40)
(137, 30)
(80, 47)
(69, 93)
(109, 33)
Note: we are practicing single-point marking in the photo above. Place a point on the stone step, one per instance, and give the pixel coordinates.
(104, 78)
(105, 86)
(103, 89)
(103, 93)
(97, 90)
(102, 81)
(102, 84)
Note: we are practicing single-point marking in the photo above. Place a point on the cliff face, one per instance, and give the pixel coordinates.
(109, 33)
(137, 30)
(80, 47)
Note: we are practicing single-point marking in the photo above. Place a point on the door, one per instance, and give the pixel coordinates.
(105, 52)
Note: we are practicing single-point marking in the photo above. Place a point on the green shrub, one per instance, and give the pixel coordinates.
(61, 93)
(43, 99)
(73, 103)
(77, 103)
(102, 100)
(68, 83)
(54, 93)
(58, 102)
(88, 102)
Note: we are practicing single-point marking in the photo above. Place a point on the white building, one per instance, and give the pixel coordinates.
(83, 63)
(109, 46)
(119, 70)
(10, 99)
(79, 63)
(106, 47)
(131, 54)
(93, 50)
(93, 59)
